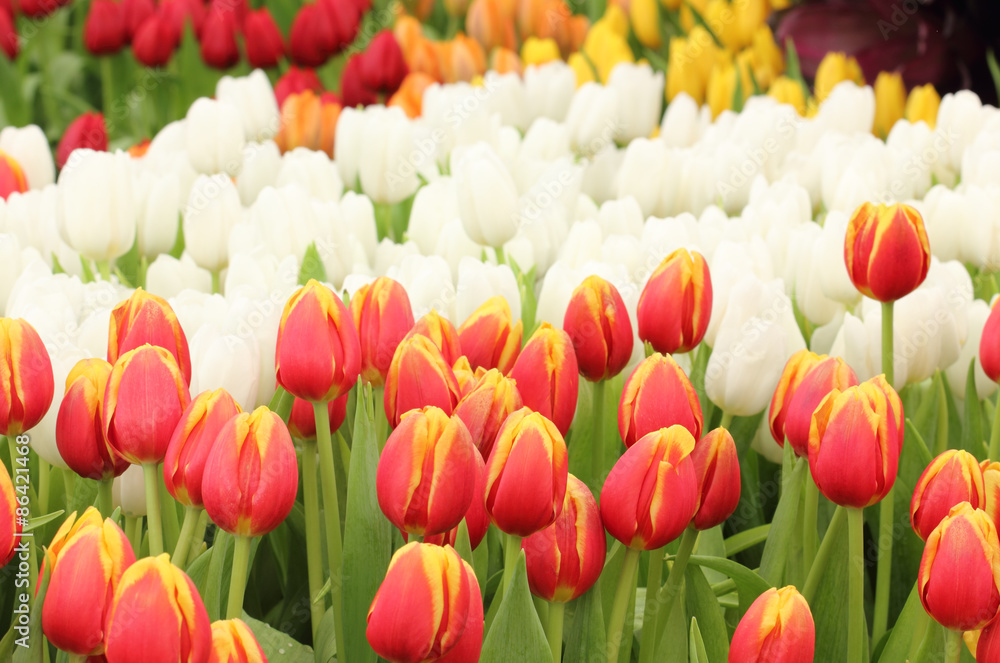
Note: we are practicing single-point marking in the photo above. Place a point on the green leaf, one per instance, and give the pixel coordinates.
(784, 528)
(587, 638)
(991, 61)
(216, 585)
(973, 429)
(792, 68)
(830, 608)
(367, 534)
(746, 539)
(39, 521)
(463, 546)
(912, 624)
(517, 635)
(748, 584)
(278, 647)
(696, 645)
(704, 608)
(312, 266)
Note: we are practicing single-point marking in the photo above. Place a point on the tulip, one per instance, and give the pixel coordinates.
(96, 204)
(461, 59)
(313, 38)
(427, 473)
(11, 521)
(296, 80)
(155, 40)
(418, 376)
(146, 318)
(828, 374)
(39, 8)
(382, 67)
(991, 484)
(10, 43)
(443, 334)
(890, 98)
(79, 430)
(477, 521)
(68, 530)
(27, 390)
(547, 375)
(24, 147)
(12, 178)
(777, 628)
(181, 13)
(989, 344)
(214, 137)
(234, 642)
(834, 68)
(788, 91)
(466, 377)
(410, 94)
(134, 13)
(104, 29)
(265, 45)
(157, 616)
(886, 251)
(676, 303)
(797, 367)
(213, 210)
(922, 105)
(308, 120)
(315, 323)
(81, 585)
(218, 38)
(486, 406)
(487, 196)
(854, 443)
(718, 470)
(598, 325)
(537, 51)
(253, 96)
(952, 478)
(490, 337)
(88, 131)
(960, 570)
(657, 395)
(427, 606)
(383, 317)
(302, 420)
(352, 85)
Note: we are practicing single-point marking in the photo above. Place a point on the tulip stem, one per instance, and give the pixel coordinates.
(104, 497)
(856, 605)
(619, 608)
(650, 613)
(130, 527)
(810, 508)
(107, 89)
(199, 537)
(180, 556)
(952, 646)
(822, 559)
(44, 470)
(216, 282)
(331, 511)
(512, 546)
(238, 579)
(597, 438)
(501, 258)
(314, 564)
(995, 434)
(554, 630)
(880, 619)
(149, 473)
(104, 269)
(667, 596)
(941, 441)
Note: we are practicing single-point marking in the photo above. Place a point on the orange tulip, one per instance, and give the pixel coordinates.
(657, 395)
(79, 431)
(599, 327)
(547, 375)
(490, 337)
(778, 628)
(487, 23)
(676, 303)
(146, 318)
(886, 250)
(418, 377)
(12, 178)
(460, 59)
(717, 467)
(410, 95)
(505, 61)
(485, 407)
(798, 365)
(308, 120)
(382, 316)
(234, 642)
(952, 478)
(27, 386)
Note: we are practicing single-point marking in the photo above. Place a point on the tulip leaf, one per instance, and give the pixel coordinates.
(748, 584)
(216, 583)
(587, 639)
(973, 429)
(39, 521)
(517, 634)
(705, 610)
(740, 541)
(696, 645)
(910, 626)
(830, 609)
(278, 647)
(463, 546)
(312, 266)
(784, 526)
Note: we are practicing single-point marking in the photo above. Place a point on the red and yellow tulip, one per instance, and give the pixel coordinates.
(547, 375)
(777, 628)
(676, 304)
(10, 523)
(442, 333)
(79, 430)
(146, 318)
(717, 467)
(797, 367)
(419, 376)
(477, 521)
(485, 407)
(28, 386)
(302, 420)
(952, 478)
(657, 395)
(383, 317)
(829, 374)
(886, 250)
(234, 642)
(598, 325)
(490, 337)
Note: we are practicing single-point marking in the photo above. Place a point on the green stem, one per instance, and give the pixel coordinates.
(650, 613)
(331, 512)
(995, 434)
(44, 470)
(238, 579)
(130, 527)
(216, 282)
(597, 437)
(952, 646)
(880, 619)
(501, 258)
(282, 404)
(180, 556)
(941, 441)
(198, 540)
(856, 602)
(107, 88)
(104, 268)
(381, 423)
(727, 420)
(810, 508)
(667, 597)
(619, 608)
(314, 563)
(168, 515)
(888, 365)
(104, 497)
(511, 549)
(143, 269)
(823, 556)
(554, 630)
(150, 475)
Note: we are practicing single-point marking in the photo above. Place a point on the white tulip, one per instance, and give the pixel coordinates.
(342, 251)
(640, 95)
(261, 164)
(228, 361)
(213, 210)
(434, 206)
(389, 253)
(167, 276)
(128, 492)
(600, 174)
(545, 140)
(11, 262)
(159, 205)
(959, 119)
(977, 223)
(428, 282)
(30, 148)
(621, 217)
(731, 264)
(544, 229)
(454, 244)
(214, 137)
(549, 90)
(196, 309)
(487, 195)
(477, 282)
(358, 213)
(807, 286)
(285, 221)
(455, 115)
(96, 206)
(313, 170)
(848, 109)
(43, 436)
(506, 98)
(583, 244)
(594, 119)
(943, 211)
(389, 160)
(260, 273)
(834, 279)
(684, 122)
(976, 313)
(641, 176)
(253, 97)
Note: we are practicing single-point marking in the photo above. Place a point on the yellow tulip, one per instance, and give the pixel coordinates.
(683, 74)
(767, 60)
(615, 19)
(788, 91)
(923, 104)
(833, 69)
(539, 51)
(721, 88)
(584, 72)
(645, 17)
(778, 5)
(750, 15)
(673, 5)
(606, 48)
(687, 16)
(890, 98)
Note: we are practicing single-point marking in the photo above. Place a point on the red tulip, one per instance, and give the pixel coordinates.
(26, 383)
(952, 478)
(302, 421)
(798, 365)
(442, 333)
(547, 375)
(598, 325)
(657, 395)
(263, 40)
(234, 642)
(418, 377)
(989, 344)
(382, 65)
(70, 527)
(486, 406)
(383, 317)
(39, 8)
(154, 40)
(829, 374)
(181, 13)
(778, 628)
(312, 38)
(12, 179)
(79, 430)
(218, 38)
(296, 80)
(490, 337)
(134, 13)
(10, 521)
(10, 43)
(104, 29)
(476, 519)
(717, 467)
(676, 303)
(85, 132)
(886, 251)
(352, 85)
(147, 318)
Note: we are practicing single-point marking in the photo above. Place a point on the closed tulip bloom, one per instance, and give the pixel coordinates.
(657, 395)
(526, 474)
(147, 318)
(10, 43)
(85, 132)
(676, 303)
(79, 428)
(427, 472)
(10, 523)
(829, 374)
(989, 344)
(27, 386)
(797, 367)
(486, 406)
(566, 558)
(81, 586)
(218, 38)
(214, 137)
(477, 521)
(252, 474)
(69, 529)
(296, 80)
(953, 477)
(547, 375)
(96, 204)
(443, 334)
(487, 196)
(192, 442)
(145, 398)
(855, 439)
(418, 377)
(382, 67)
(777, 628)
(466, 377)
(383, 316)
(651, 494)
(104, 29)
(960, 570)
(599, 327)
(302, 420)
(886, 250)
(318, 356)
(308, 120)
(835, 68)
(12, 178)
(154, 40)
(234, 642)
(421, 610)
(718, 469)
(157, 616)
(890, 100)
(922, 105)
(490, 337)
(134, 13)
(264, 43)
(991, 484)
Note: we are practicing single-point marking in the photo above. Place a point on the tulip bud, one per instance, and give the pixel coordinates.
(427, 605)
(296, 80)
(487, 196)
(309, 120)
(104, 29)
(302, 421)
(157, 616)
(27, 388)
(318, 356)
(717, 467)
(786, 90)
(828, 374)
(12, 179)
(443, 334)
(382, 67)
(252, 474)
(264, 43)
(835, 68)
(952, 478)
(79, 430)
(96, 205)
(148, 318)
(989, 344)
(192, 442)
(854, 443)
(477, 521)
(154, 40)
(490, 337)
(890, 99)
(798, 365)
(145, 398)
(651, 494)
(960, 570)
(547, 375)
(777, 628)
(81, 585)
(526, 474)
(886, 250)
(466, 377)
(676, 303)
(657, 395)
(418, 377)
(598, 326)
(10, 521)
(234, 642)
(85, 132)
(922, 105)
(218, 38)
(382, 317)
(566, 558)
(485, 407)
